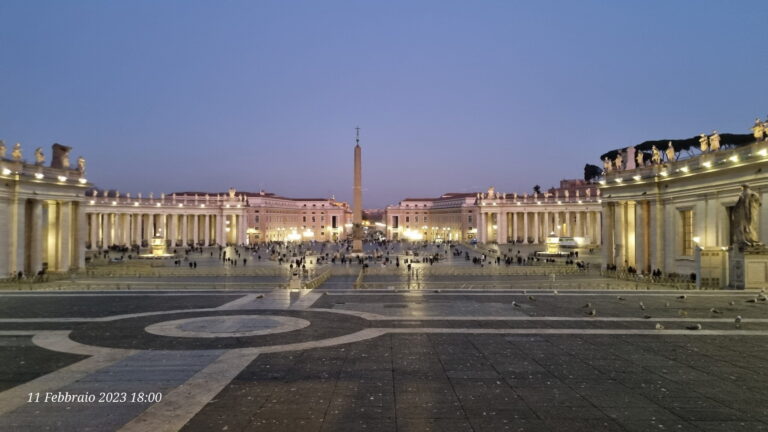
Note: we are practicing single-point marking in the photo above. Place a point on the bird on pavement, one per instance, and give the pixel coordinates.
(593, 312)
(515, 304)
(715, 311)
(588, 305)
(531, 298)
(737, 321)
(751, 300)
(666, 304)
(682, 313)
(731, 303)
(619, 298)
(642, 306)
(647, 316)
(659, 326)
(682, 297)
(694, 327)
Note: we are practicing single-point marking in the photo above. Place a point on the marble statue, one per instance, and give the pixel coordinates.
(151, 195)
(39, 156)
(577, 194)
(744, 218)
(128, 195)
(618, 162)
(703, 143)
(16, 153)
(639, 159)
(60, 157)
(491, 192)
(588, 192)
(671, 152)
(81, 164)
(232, 192)
(2, 149)
(514, 196)
(655, 155)
(607, 165)
(714, 141)
(758, 130)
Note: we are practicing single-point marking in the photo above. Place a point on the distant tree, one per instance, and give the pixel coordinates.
(591, 172)
(537, 189)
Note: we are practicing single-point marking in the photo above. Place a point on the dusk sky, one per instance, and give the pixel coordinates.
(450, 96)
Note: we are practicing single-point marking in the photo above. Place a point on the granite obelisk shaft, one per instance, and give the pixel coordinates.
(357, 202)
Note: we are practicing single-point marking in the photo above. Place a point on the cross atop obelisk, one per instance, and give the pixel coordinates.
(357, 200)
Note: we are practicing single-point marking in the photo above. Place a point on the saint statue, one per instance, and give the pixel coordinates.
(16, 154)
(639, 159)
(618, 162)
(81, 164)
(566, 195)
(703, 143)
(655, 155)
(758, 130)
(714, 141)
(744, 217)
(607, 165)
(588, 192)
(2, 149)
(670, 152)
(39, 156)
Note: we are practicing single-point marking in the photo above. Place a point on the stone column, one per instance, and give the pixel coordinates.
(481, 229)
(18, 235)
(598, 230)
(94, 231)
(184, 231)
(525, 227)
(641, 236)
(147, 227)
(107, 230)
(557, 227)
(207, 230)
(607, 233)
(65, 236)
(620, 234)
(514, 226)
(117, 226)
(5, 238)
(195, 229)
(569, 230)
(220, 239)
(656, 234)
(242, 228)
(36, 238)
(173, 228)
(578, 228)
(630, 226)
(81, 232)
(501, 227)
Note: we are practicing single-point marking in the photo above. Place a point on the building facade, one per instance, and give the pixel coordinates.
(674, 216)
(199, 219)
(42, 214)
(573, 210)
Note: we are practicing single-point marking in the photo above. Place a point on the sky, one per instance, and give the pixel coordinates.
(450, 96)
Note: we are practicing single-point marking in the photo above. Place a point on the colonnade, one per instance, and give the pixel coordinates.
(41, 234)
(534, 225)
(107, 228)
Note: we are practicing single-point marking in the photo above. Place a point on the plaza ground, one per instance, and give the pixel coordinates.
(456, 347)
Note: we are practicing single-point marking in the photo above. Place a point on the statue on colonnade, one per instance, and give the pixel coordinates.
(744, 217)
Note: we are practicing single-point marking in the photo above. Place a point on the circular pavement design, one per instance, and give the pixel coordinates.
(227, 326)
(218, 329)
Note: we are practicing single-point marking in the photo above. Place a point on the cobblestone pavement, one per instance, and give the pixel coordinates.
(341, 359)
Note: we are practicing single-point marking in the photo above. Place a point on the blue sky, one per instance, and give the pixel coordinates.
(163, 96)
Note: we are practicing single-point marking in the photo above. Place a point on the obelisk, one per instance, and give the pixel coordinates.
(357, 200)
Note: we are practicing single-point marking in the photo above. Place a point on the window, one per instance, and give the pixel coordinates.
(687, 232)
(407, 218)
(425, 218)
(469, 219)
(303, 218)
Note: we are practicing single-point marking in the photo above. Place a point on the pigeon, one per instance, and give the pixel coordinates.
(762, 297)
(682, 313)
(438, 291)
(642, 306)
(737, 321)
(620, 298)
(731, 303)
(525, 291)
(260, 296)
(659, 326)
(682, 297)
(555, 292)
(752, 301)
(593, 312)
(647, 316)
(694, 327)
(666, 304)
(531, 298)
(515, 304)
(715, 311)
(588, 305)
